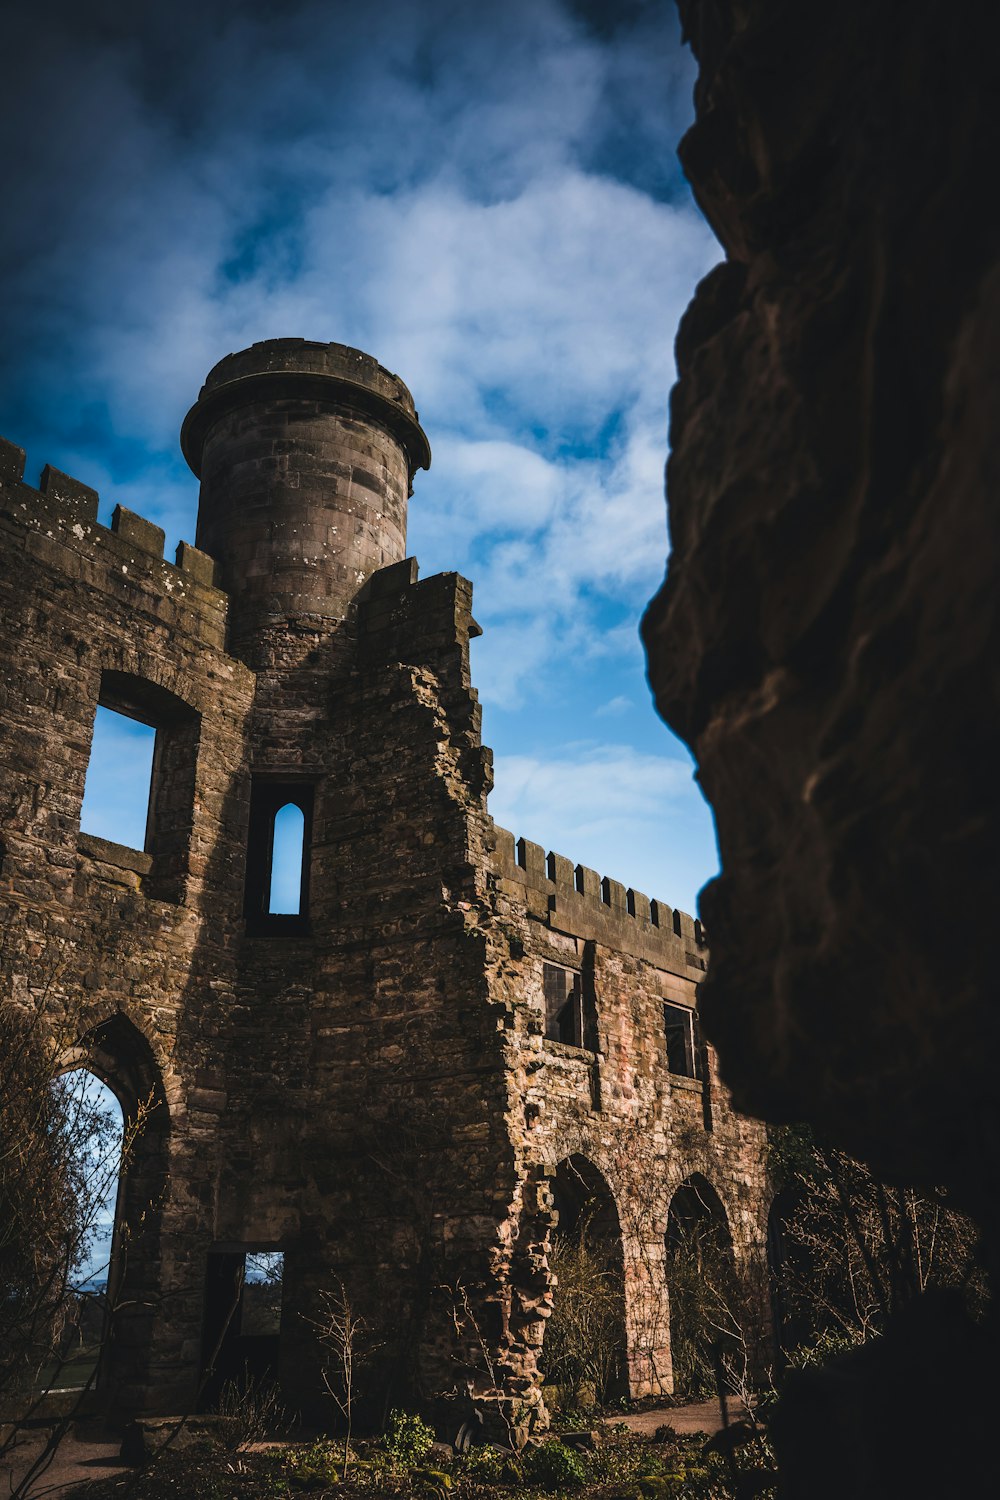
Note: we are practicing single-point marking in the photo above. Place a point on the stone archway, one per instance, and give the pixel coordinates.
(116, 1054)
(706, 1316)
(584, 1354)
(91, 1125)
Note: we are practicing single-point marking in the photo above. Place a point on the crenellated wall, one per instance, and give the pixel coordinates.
(613, 1100)
(126, 560)
(593, 906)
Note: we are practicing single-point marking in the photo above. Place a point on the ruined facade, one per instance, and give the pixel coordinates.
(393, 1085)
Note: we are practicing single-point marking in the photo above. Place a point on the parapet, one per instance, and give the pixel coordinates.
(578, 900)
(278, 368)
(61, 526)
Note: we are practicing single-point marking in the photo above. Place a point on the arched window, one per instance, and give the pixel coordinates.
(116, 1187)
(287, 847)
(278, 848)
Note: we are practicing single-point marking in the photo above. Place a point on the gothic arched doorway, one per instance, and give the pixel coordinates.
(705, 1309)
(584, 1352)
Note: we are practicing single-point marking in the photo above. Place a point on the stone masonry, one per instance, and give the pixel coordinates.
(385, 1086)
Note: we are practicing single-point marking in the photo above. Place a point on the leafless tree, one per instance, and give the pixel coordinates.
(855, 1250)
(60, 1159)
(344, 1334)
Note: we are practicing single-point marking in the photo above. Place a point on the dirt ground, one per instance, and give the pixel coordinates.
(700, 1416)
(78, 1459)
(75, 1461)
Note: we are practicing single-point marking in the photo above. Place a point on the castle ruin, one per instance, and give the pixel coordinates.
(454, 1041)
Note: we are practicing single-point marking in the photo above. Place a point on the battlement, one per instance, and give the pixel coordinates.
(61, 517)
(579, 900)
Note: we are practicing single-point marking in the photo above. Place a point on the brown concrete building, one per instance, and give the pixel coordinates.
(394, 1086)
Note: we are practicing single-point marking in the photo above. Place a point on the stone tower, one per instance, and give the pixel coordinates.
(306, 454)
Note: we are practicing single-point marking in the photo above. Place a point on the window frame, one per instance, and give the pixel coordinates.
(268, 795)
(569, 1014)
(172, 781)
(685, 1021)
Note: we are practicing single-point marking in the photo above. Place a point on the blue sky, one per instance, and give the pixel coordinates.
(486, 199)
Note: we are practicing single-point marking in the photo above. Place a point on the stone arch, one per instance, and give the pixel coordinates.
(705, 1316)
(136, 669)
(586, 1333)
(117, 1053)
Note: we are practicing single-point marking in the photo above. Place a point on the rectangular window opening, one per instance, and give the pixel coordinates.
(116, 795)
(242, 1320)
(680, 1025)
(260, 1313)
(139, 787)
(563, 1005)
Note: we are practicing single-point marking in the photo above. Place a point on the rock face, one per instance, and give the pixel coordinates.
(394, 1087)
(826, 639)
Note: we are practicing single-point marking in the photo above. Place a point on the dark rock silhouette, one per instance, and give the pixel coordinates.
(826, 640)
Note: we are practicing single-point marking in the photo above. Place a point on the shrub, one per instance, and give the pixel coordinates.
(488, 1464)
(313, 1463)
(432, 1483)
(249, 1410)
(553, 1466)
(408, 1438)
(623, 1460)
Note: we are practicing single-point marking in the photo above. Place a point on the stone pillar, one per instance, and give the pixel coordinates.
(647, 1316)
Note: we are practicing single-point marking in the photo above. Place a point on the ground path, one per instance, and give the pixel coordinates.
(699, 1416)
(78, 1459)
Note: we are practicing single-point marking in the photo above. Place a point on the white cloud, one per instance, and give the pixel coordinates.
(614, 707)
(485, 200)
(606, 806)
(591, 784)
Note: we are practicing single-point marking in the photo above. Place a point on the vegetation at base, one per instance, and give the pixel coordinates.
(619, 1466)
(553, 1466)
(582, 1336)
(407, 1439)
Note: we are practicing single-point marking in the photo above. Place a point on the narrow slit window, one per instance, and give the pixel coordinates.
(287, 849)
(119, 778)
(278, 856)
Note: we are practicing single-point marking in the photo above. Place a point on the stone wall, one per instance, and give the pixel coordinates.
(135, 980)
(613, 1100)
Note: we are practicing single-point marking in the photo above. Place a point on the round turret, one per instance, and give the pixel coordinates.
(306, 454)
